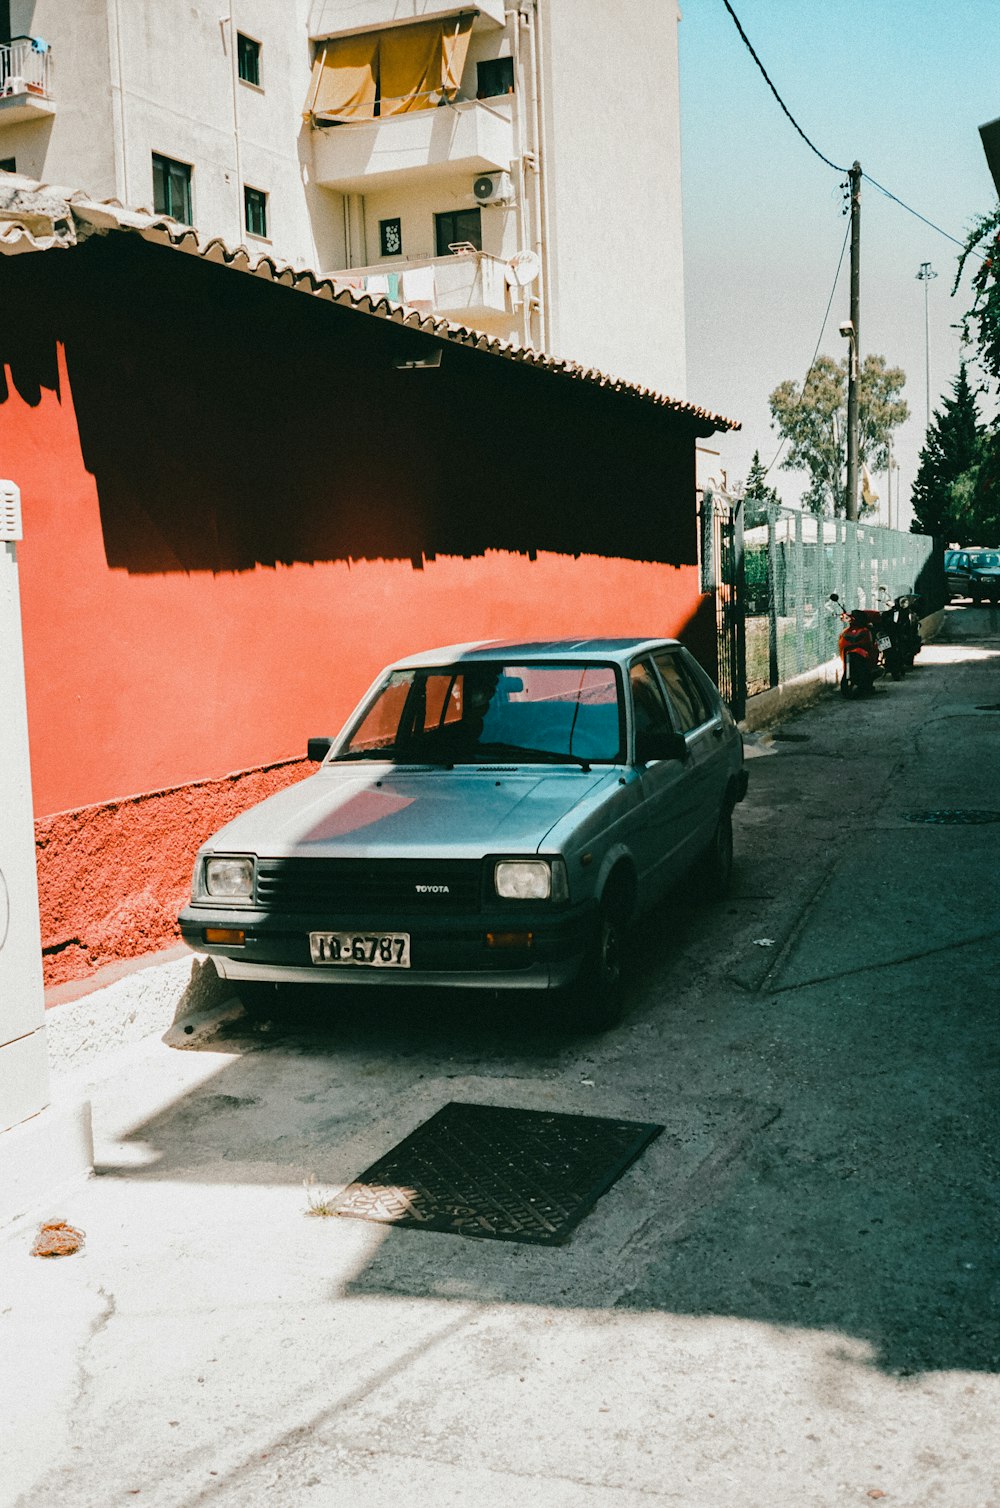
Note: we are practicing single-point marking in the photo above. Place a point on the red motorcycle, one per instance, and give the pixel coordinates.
(862, 647)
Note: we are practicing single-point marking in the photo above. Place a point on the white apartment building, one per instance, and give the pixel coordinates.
(512, 167)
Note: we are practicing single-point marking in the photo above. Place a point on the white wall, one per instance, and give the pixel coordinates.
(161, 78)
(611, 148)
(76, 146)
(612, 170)
(417, 205)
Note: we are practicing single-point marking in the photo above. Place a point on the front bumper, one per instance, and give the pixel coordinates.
(450, 952)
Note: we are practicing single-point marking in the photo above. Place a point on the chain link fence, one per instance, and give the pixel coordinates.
(771, 583)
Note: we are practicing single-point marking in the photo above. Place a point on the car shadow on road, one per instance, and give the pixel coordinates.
(817, 1171)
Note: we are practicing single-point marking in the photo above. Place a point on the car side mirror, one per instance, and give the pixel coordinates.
(659, 745)
(317, 749)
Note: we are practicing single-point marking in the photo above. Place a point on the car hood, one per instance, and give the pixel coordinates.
(385, 813)
(991, 571)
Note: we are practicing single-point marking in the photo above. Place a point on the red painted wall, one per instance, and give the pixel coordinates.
(136, 682)
(146, 676)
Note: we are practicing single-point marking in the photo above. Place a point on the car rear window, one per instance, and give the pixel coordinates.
(468, 713)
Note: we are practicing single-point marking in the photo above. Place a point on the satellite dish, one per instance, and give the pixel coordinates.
(522, 269)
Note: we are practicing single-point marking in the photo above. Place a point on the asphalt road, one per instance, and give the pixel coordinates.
(790, 1297)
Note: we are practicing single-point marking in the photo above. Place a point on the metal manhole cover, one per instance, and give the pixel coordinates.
(955, 817)
(496, 1172)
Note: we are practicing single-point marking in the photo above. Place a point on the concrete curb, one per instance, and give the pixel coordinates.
(771, 706)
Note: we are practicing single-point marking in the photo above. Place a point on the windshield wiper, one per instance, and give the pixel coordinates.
(530, 756)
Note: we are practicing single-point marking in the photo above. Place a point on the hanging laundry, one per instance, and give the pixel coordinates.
(393, 278)
(418, 287)
(377, 285)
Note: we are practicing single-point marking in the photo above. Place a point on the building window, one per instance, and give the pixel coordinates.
(494, 76)
(255, 210)
(458, 227)
(172, 188)
(248, 59)
(390, 238)
(8, 165)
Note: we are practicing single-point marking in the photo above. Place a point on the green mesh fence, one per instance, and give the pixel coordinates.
(772, 582)
(793, 563)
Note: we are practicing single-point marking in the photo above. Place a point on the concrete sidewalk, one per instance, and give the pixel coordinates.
(790, 1297)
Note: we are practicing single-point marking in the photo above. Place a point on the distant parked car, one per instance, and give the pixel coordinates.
(973, 573)
(494, 815)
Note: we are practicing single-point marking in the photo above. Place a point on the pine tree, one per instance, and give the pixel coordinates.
(947, 478)
(758, 497)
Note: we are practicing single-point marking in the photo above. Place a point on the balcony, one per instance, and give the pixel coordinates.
(24, 80)
(469, 287)
(361, 157)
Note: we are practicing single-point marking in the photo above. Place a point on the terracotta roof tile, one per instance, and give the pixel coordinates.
(44, 217)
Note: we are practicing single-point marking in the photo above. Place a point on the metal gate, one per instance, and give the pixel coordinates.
(723, 575)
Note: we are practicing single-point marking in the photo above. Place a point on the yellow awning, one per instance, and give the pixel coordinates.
(344, 78)
(389, 72)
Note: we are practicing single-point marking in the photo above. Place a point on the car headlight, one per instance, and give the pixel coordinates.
(227, 879)
(530, 879)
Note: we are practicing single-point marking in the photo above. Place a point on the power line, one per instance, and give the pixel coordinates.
(791, 117)
(910, 210)
(819, 342)
(813, 148)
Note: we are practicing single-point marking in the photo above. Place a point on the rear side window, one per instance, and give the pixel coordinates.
(685, 695)
(651, 715)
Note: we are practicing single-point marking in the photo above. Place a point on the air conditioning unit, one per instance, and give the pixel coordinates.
(492, 188)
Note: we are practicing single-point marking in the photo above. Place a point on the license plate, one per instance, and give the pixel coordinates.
(884, 643)
(365, 950)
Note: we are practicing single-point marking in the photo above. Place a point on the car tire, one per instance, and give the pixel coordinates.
(595, 999)
(714, 870)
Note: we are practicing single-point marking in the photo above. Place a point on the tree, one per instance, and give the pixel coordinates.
(981, 322)
(946, 488)
(813, 421)
(981, 327)
(758, 497)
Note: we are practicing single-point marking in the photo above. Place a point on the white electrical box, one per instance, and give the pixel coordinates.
(24, 1087)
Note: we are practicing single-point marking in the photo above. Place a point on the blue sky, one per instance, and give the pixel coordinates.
(900, 85)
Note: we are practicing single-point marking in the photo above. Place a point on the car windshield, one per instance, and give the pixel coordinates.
(483, 711)
(985, 558)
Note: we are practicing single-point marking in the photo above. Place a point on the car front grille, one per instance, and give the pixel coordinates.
(358, 885)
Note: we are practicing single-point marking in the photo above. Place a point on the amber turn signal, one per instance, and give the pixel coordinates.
(509, 939)
(234, 935)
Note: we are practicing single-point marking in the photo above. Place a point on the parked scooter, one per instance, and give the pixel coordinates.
(861, 647)
(908, 605)
(893, 633)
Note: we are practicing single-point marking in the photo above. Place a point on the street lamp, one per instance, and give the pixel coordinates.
(925, 276)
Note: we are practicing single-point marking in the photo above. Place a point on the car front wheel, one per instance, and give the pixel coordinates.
(595, 999)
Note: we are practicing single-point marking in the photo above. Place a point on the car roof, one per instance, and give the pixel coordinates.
(522, 650)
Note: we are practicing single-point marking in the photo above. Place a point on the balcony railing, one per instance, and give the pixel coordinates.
(25, 70)
(469, 287)
(468, 136)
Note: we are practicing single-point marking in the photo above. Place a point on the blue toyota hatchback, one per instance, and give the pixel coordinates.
(492, 815)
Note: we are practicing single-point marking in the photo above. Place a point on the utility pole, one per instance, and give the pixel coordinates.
(924, 276)
(854, 337)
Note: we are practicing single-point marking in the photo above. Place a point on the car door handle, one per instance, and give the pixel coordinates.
(718, 731)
